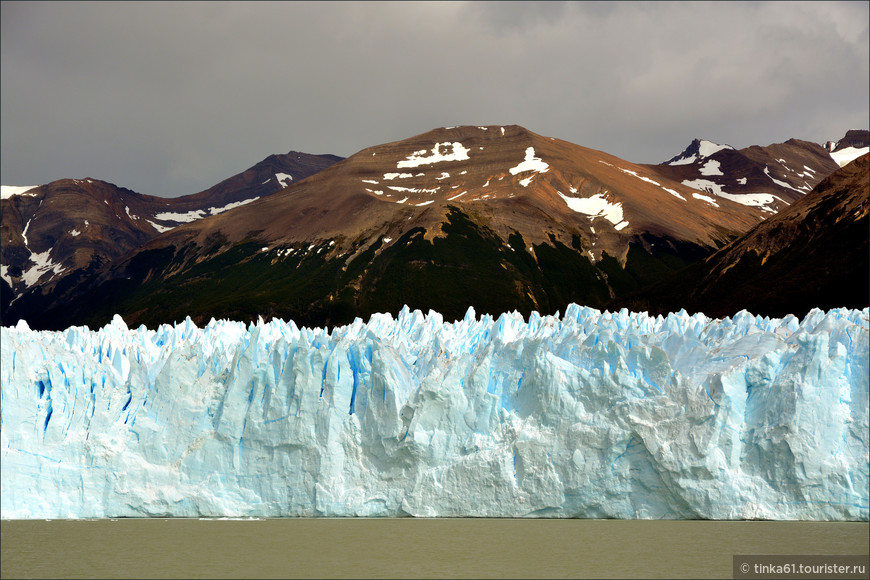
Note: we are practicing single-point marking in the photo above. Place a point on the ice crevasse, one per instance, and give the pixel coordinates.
(590, 414)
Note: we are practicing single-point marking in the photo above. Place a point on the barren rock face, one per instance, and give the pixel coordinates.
(69, 225)
(513, 180)
(496, 217)
(769, 178)
(74, 226)
(812, 254)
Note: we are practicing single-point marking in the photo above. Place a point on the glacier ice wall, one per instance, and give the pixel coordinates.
(595, 415)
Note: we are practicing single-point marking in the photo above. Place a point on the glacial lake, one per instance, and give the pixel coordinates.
(406, 548)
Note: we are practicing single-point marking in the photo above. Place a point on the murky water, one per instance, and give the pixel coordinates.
(406, 548)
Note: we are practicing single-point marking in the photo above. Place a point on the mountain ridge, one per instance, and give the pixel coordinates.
(814, 254)
(544, 221)
(74, 226)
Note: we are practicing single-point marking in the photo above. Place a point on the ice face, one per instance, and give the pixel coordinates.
(590, 414)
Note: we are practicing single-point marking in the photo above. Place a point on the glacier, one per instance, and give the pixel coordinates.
(587, 415)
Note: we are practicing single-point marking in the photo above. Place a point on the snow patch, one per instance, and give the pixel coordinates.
(705, 198)
(24, 231)
(389, 176)
(845, 156)
(42, 264)
(284, 179)
(711, 168)
(648, 180)
(456, 153)
(190, 216)
(708, 148)
(229, 206)
(412, 189)
(762, 200)
(158, 227)
(641, 177)
(674, 193)
(778, 182)
(705, 149)
(595, 207)
(531, 163)
(684, 161)
(7, 191)
(704, 185)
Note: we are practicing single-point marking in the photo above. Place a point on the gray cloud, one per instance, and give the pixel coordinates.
(170, 98)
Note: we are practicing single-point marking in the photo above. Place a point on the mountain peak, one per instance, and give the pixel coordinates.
(853, 145)
(698, 149)
(7, 191)
(472, 132)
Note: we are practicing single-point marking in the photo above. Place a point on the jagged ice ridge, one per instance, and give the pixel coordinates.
(594, 415)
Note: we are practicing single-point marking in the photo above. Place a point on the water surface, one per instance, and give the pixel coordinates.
(406, 548)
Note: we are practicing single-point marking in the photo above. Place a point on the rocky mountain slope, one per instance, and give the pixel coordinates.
(812, 254)
(495, 217)
(769, 178)
(854, 144)
(60, 232)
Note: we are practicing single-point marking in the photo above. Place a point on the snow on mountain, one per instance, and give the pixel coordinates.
(72, 227)
(194, 215)
(590, 415)
(492, 217)
(418, 158)
(7, 191)
(812, 254)
(181, 217)
(597, 206)
(769, 178)
(699, 149)
(67, 226)
(853, 145)
(849, 154)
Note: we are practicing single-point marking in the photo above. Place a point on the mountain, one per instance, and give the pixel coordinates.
(272, 174)
(68, 226)
(495, 217)
(854, 144)
(769, 178)
(813, 254)
(61, 232)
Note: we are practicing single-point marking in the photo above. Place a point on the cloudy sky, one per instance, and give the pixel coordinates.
(169, 98)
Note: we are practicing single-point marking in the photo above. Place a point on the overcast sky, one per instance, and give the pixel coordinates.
(169, 98)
